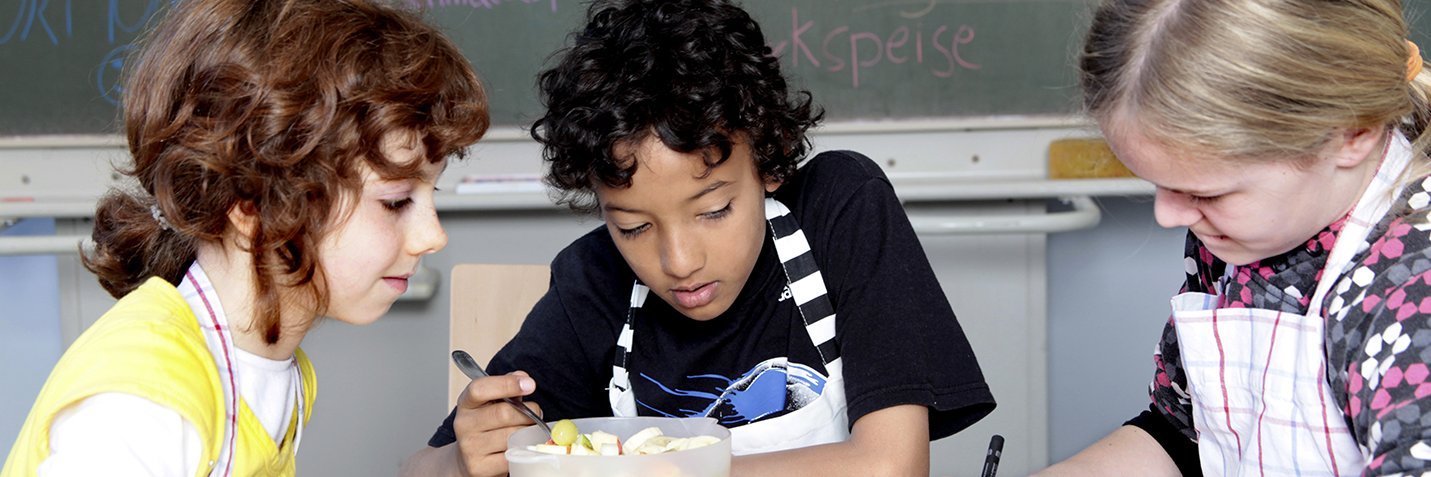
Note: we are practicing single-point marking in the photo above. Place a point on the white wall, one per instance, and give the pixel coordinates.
(30, 341)
(1108, 291)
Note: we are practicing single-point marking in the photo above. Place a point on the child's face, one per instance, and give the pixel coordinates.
(1243, 211)
(691, 236)
(368, 258)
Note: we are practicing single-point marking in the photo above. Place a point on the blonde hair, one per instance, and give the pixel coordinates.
(1253, 79)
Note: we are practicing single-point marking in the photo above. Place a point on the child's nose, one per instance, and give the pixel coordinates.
(427, 236)
(682, 254)
(1174, 209)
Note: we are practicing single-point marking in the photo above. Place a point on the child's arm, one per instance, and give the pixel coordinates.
(1127, 451)
(890, 441)
(121, 434)
(1381, 352)
(434, 461)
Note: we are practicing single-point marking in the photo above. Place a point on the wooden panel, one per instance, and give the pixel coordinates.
(489, 303)
(1083, 158)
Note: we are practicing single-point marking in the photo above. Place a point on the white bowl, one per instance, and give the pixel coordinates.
(708, 461)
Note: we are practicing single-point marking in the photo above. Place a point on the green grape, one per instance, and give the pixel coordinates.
(564, 432)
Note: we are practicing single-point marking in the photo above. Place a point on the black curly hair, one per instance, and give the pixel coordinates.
(695, 73)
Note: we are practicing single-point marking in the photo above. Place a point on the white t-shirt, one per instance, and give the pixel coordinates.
(123, 434)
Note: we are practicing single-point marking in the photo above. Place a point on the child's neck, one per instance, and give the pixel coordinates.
(231, 274)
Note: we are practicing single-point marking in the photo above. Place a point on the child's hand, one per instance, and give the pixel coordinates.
(484, 422)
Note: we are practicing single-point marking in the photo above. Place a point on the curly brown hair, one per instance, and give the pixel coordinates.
(696, 74)
(272, 106)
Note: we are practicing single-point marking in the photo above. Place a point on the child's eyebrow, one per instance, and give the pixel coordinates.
(712, 188)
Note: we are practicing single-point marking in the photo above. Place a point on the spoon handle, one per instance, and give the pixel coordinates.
(473, 370)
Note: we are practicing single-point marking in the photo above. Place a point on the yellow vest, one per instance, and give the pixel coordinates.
(150, 345)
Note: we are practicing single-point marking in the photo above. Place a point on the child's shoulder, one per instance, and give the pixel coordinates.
(592, 262)
(149, 342)
(150, 324)
(832, 180)
(841, 167)
(154, 304)
(592, 248)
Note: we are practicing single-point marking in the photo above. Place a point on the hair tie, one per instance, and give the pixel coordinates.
(1413, 61)
(159, 217)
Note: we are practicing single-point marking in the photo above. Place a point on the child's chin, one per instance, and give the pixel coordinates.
(365, 319)
(705, 313)
(1237, 258)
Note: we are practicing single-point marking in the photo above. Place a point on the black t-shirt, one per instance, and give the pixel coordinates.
(898, 337)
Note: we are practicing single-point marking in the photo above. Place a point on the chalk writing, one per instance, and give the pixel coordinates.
(107, 75)
(31, 13)
(54, 20)
(116, 21)
(20, 15)
(841, 48)
(61, 60)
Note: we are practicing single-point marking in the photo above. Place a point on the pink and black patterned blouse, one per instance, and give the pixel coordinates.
(1378, 345)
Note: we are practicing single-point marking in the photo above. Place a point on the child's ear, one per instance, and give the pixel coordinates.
(771, 186)
(1355, 145)
(243, 218)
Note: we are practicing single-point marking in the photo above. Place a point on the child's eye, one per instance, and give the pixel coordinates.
(634, 231)
(397, 204)
(1199, 199)
(718, 214)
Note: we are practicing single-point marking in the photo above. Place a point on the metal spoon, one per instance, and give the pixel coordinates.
(473, 370)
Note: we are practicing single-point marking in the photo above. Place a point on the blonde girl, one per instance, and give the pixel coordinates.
(1289, 137)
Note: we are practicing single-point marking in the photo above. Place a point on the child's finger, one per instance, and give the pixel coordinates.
(498, 414)
(494, 388)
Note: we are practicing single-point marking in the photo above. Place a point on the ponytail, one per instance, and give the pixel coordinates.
(131, 244)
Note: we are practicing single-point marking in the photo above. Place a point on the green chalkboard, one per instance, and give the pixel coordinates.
(863, 59)
(60, 63)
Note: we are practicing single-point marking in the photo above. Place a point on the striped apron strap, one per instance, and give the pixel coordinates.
(620, 378)
(807, 286)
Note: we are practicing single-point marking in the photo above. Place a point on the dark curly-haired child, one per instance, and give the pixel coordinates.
(285, 154)
(793, 304)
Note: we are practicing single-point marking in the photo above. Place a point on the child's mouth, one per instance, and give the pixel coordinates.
(696, 297)
(398, 283)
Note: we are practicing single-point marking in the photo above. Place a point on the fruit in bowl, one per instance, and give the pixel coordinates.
(612, 447)
(568, 440)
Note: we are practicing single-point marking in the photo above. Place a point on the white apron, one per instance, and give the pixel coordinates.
(1261, 400)
(821, 421)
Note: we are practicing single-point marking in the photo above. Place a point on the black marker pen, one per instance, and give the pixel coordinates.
(991, 461)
